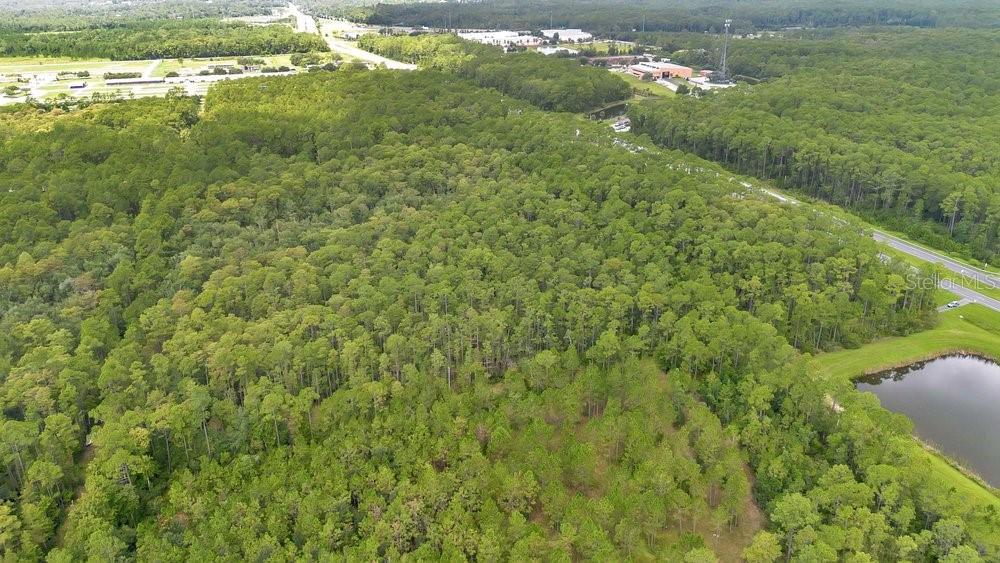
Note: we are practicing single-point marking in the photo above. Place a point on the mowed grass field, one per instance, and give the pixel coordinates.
(601, 47)
(646, 88)
(35, 65)
(971, 329)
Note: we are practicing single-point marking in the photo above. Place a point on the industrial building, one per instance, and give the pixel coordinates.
(502, 38)
(568, 35)
(660, 70)
(557, 51)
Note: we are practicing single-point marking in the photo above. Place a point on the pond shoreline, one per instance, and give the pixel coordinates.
(902, 370)
(936, 355)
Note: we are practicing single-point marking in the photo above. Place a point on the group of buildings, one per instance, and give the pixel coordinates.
(559, 42)
(507, 39)
(660, 71)
(502, 38)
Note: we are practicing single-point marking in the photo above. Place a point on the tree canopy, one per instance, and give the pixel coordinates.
(547, 82)
(617, 16)
(154, 39)
(899, 126)
(379, 314)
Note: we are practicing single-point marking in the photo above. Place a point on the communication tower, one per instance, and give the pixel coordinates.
(723, 74)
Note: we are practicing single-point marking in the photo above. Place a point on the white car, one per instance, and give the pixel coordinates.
(954, 304)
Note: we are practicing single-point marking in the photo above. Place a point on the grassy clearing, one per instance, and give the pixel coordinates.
(972, 328)
(646, 88)
(22, 65)
(47, 60)
(600, 47)
(943, 297)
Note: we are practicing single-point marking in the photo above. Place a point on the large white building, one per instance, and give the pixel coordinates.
(502, 38)
(568, 35)
(556, 50)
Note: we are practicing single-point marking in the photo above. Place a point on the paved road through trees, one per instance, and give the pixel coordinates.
(970, 273)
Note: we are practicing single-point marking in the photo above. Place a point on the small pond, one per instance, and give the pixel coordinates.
(954, 403)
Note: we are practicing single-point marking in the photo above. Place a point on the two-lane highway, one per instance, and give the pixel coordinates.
(304, 23)
(971, 273)
(346, 48)
(307, 24)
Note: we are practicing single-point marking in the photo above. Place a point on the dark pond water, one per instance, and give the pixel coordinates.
(954, 403)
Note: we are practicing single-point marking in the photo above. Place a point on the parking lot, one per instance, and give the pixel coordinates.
(52, 78)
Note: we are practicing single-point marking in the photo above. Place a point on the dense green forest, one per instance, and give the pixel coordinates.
(901, 126)
(547, 82)
(375, 314)
(67, 15)
(156, 39)
(619, 16)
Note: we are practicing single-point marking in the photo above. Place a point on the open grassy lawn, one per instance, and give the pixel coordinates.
(972, 328)
(600, 47)
(23, 65)
(6, 62)
(646, 88)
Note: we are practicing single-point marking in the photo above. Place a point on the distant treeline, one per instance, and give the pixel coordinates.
(163, 39)
(547, 82)
(619, 16)
(900, 126)
(71, 15)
